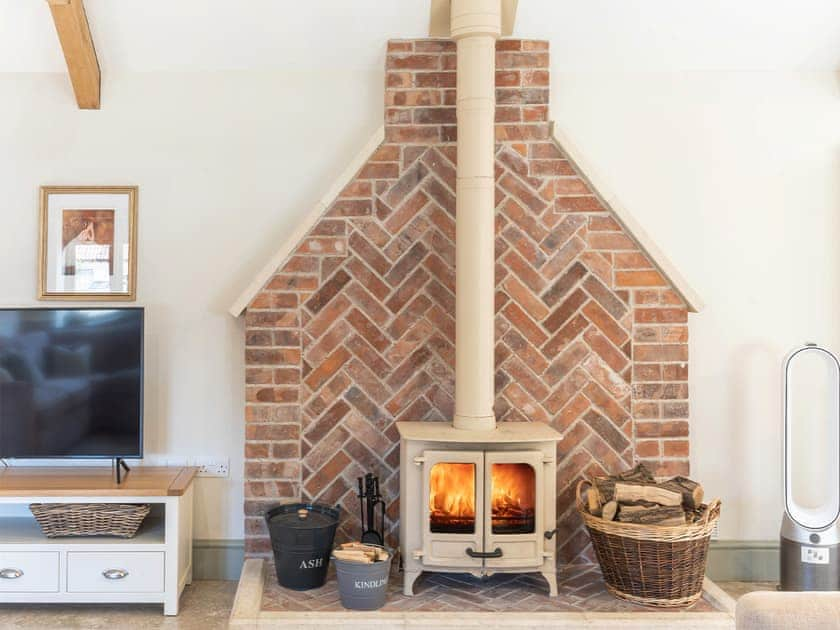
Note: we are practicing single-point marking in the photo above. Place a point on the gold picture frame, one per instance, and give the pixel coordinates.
(88, 243)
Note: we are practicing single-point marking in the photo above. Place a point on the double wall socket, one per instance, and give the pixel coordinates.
(207, 466)
(212, 466)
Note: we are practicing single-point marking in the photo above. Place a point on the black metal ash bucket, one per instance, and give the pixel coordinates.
(301, 538)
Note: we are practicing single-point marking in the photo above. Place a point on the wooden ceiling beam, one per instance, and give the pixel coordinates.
(74, 34)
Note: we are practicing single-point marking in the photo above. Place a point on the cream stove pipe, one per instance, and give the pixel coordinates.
(475, 26)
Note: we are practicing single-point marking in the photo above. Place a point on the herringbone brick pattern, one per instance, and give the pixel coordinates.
(356, 329)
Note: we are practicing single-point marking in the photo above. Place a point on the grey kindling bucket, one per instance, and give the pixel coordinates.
(363, 586)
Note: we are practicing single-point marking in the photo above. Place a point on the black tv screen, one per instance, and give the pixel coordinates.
(71, 382)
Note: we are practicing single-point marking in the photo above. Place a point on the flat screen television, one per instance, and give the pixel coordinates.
(71, 382)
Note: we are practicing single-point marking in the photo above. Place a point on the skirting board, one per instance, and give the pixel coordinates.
(218, 559)
(743, 561)
(729, 560)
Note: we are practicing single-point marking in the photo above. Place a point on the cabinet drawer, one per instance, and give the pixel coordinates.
(117, 572)
(28, 571)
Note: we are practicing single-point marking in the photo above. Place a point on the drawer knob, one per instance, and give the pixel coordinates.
(114, 574)
(10, 574)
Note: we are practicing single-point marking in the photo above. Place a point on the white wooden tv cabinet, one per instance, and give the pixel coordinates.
(152, 567)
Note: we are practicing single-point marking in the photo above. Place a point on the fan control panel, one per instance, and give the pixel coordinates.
(815, 555)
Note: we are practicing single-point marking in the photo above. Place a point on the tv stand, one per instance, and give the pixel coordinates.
(152, 567)
(119, 463)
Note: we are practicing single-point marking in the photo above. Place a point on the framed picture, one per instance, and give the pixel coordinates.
(88, 245)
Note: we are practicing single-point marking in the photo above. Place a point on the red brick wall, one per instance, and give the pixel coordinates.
(355, 331)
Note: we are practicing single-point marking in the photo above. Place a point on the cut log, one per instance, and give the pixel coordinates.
(693, 516)
(353, 556)
(639, 472)
(360, 552)
(630, 491)
(692, 492)
(606, 488)
(606, 485)
(664, 515)
(593, 500)
(634, 504)
(609, 510)
(641, 506)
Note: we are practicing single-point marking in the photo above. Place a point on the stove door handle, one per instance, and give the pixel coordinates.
(496, 553)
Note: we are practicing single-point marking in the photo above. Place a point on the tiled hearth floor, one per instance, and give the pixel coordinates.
(459, 601)
(581, 589)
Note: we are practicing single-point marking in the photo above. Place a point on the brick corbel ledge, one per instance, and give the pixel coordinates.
(354, 329)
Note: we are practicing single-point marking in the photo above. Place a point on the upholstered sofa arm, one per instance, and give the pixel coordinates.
(768, 610)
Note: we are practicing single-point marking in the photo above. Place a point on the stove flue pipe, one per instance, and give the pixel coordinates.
(475, 26)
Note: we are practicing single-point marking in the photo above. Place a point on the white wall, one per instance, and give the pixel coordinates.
(223, 162)
(734, 175)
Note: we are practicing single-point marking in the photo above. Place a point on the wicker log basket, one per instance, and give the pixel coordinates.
(652, 565)
(89, 519)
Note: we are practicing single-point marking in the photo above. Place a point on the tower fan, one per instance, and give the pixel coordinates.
(810, 534)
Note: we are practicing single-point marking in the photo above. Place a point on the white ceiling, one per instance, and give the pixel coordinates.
(586, 35)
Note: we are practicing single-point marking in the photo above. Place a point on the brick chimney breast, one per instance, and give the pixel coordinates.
(356, 329)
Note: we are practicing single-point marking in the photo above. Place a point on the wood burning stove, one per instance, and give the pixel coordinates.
(477, 501)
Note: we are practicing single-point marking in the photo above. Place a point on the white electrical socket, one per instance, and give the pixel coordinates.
(716, 531)
(207, 466)
(212, 466)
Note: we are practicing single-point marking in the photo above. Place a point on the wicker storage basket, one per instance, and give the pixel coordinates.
(652, 565)
(89, 519)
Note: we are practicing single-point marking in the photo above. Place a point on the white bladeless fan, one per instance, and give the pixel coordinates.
(810, 535)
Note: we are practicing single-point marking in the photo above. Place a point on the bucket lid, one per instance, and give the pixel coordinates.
(302, 516)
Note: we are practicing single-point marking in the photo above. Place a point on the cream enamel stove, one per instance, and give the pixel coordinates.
(475, 497)
(478, 502)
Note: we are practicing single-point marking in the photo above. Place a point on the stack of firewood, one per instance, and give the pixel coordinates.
(635, 496)
(360, 552)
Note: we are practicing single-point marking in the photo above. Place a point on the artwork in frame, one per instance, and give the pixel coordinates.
(88, 248)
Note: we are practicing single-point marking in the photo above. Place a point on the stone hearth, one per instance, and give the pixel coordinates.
(506, 601)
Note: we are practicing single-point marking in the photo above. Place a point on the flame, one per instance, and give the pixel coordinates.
(452, 490)
(513, 490)
(452, 497)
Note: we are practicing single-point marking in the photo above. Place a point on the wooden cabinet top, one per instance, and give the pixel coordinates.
(48, 481)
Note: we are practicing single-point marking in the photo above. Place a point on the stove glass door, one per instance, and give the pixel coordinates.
(513, 496)
(453, 509)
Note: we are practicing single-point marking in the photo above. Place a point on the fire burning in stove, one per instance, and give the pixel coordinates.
(452, 498)
(513, 496)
